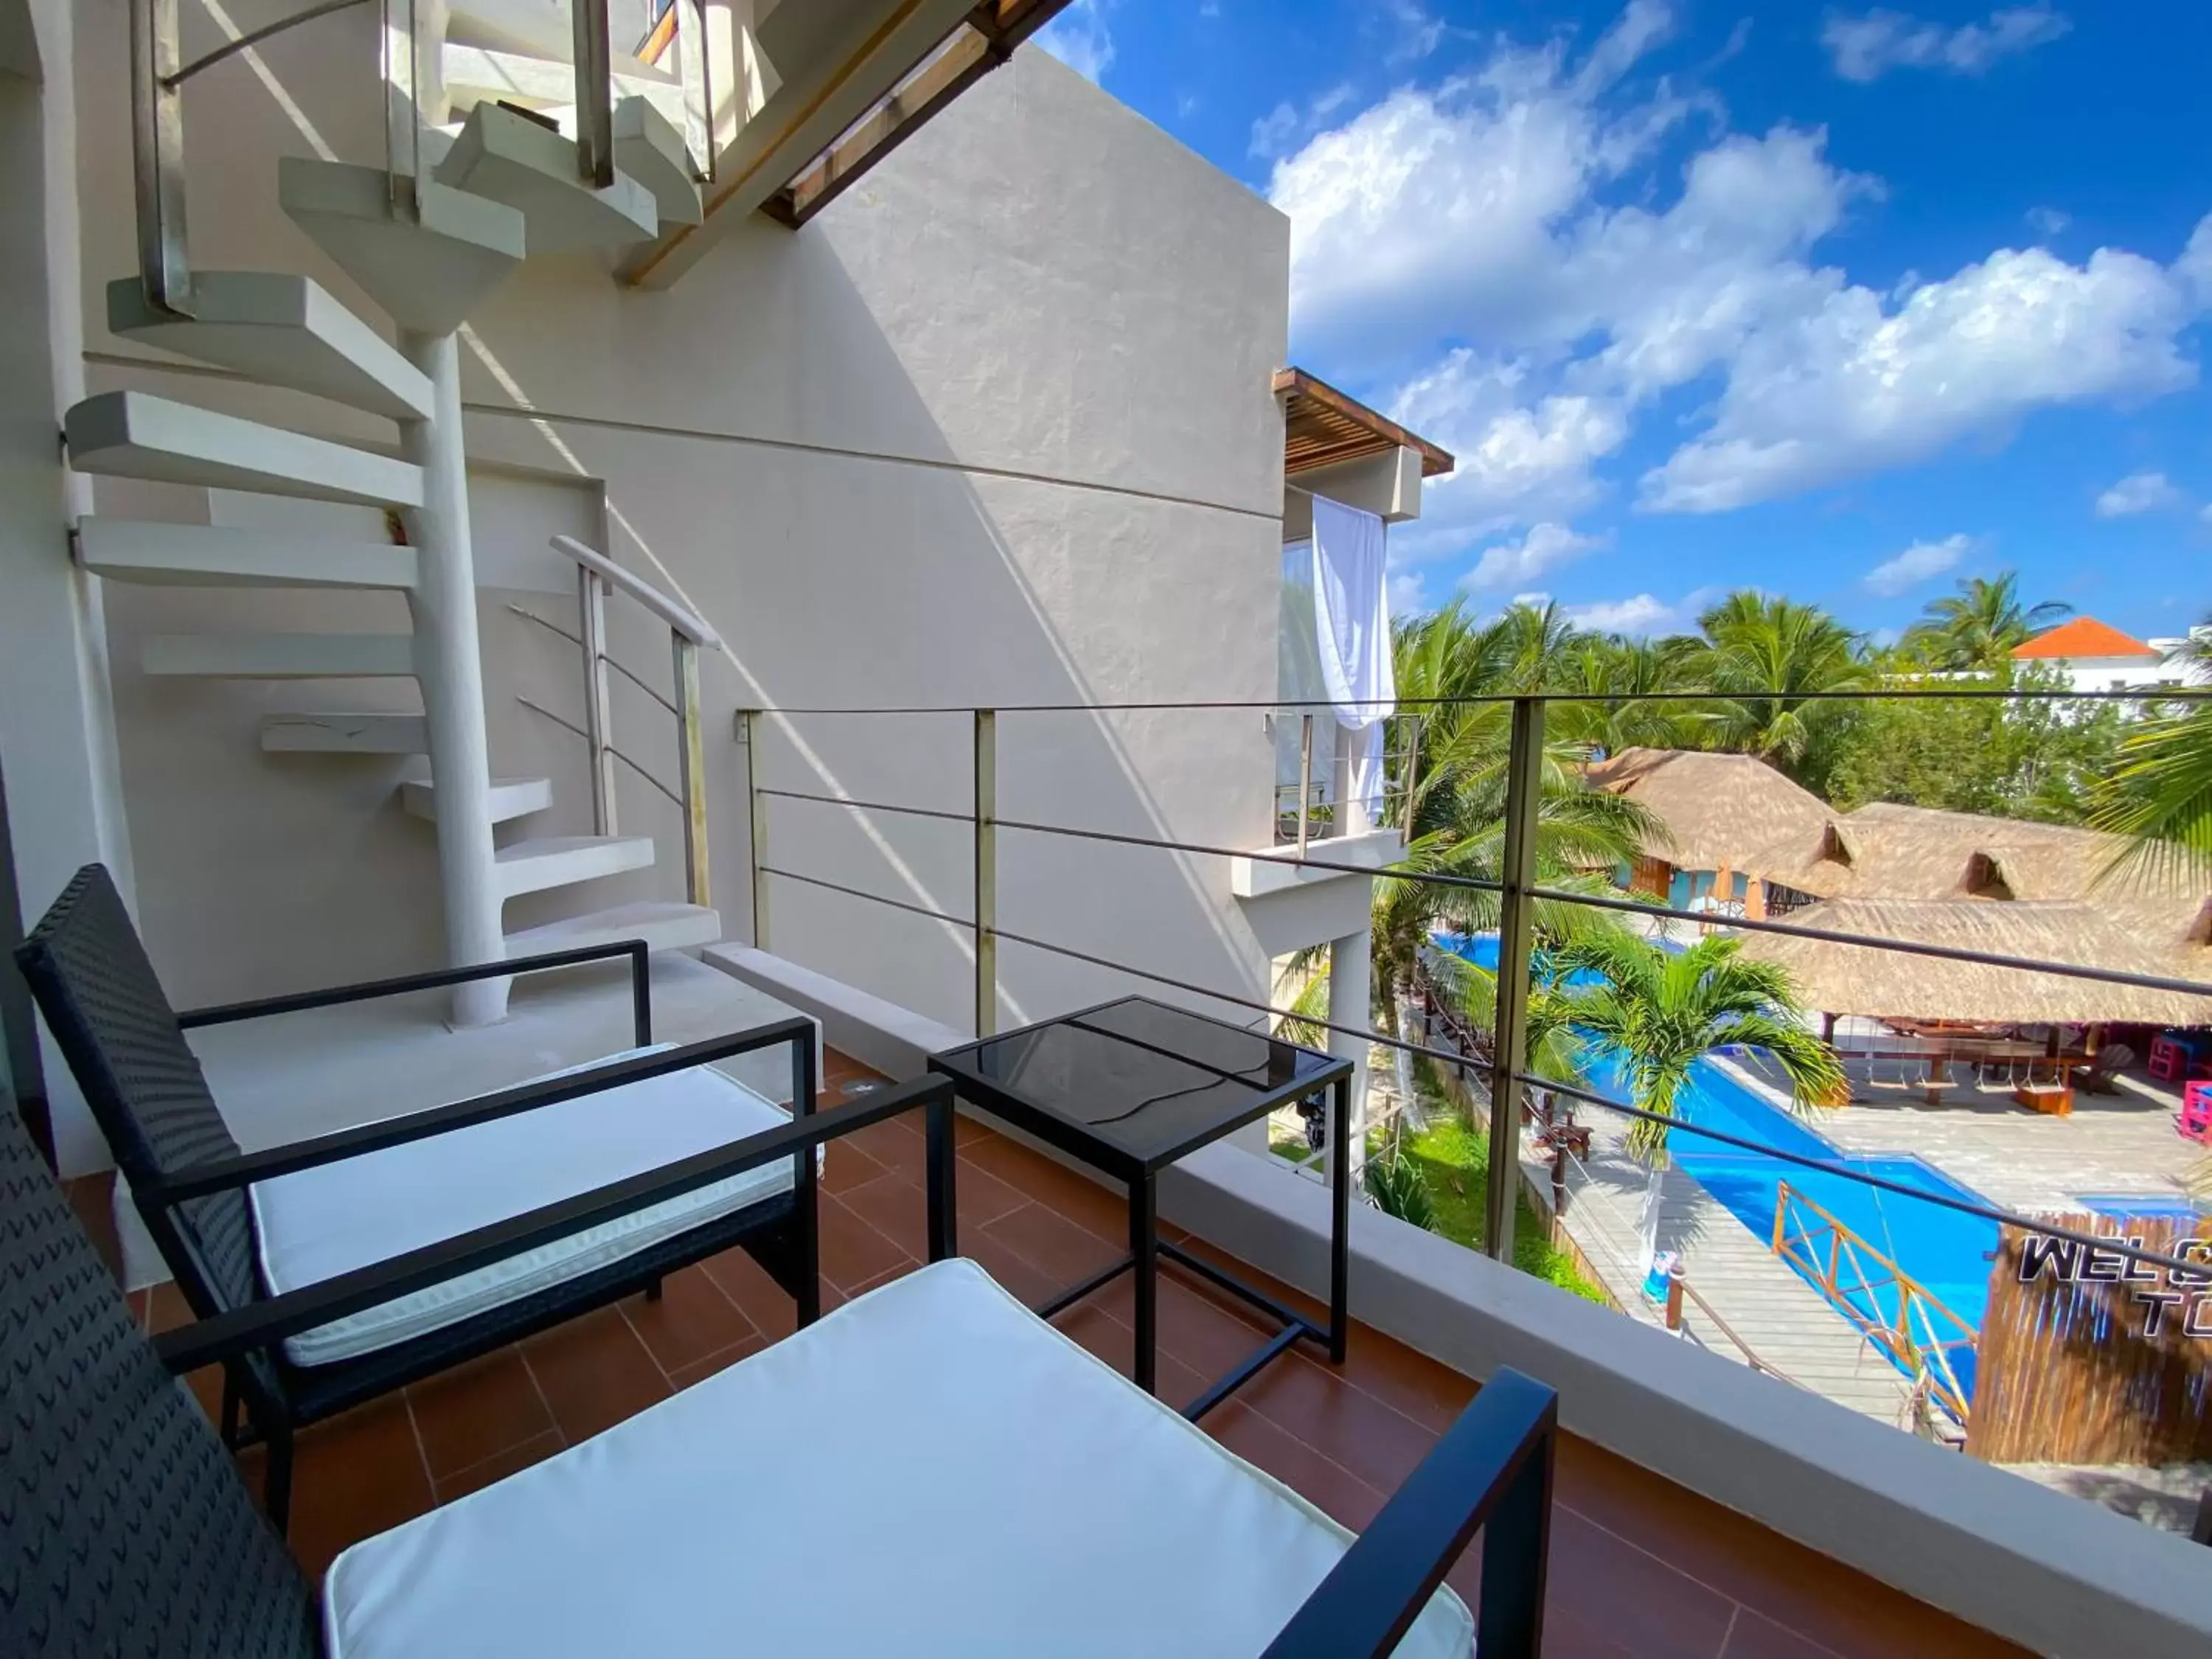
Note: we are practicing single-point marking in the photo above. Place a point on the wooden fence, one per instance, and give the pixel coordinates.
(2067, 1369)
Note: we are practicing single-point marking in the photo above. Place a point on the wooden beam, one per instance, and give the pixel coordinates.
(984, 41)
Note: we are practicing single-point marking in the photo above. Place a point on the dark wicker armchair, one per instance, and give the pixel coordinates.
(126, 1048)
(126, 1530)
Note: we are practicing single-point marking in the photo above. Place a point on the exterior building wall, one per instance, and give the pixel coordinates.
(56, 747)
(996, 428)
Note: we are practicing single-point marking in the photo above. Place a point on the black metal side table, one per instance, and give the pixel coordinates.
(1127, 1088)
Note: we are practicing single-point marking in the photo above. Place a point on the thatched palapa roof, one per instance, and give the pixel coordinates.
(1719, 809)
(1857, 978)
(1885, 851)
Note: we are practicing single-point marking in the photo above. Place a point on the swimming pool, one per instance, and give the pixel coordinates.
(1947, 1252)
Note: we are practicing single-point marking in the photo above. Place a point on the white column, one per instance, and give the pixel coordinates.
(452, 674)
(56, 727)
(1350, 965)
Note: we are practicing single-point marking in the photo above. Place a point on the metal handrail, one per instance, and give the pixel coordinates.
(675, 615)
(157, 131)
(597, 576)
(255, 37)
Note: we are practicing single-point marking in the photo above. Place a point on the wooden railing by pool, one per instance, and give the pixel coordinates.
(1859, 1279)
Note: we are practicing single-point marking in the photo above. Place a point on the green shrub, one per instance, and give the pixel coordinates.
(1398, 1187)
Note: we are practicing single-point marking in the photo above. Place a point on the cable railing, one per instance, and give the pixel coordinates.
(1497, 1054)
(598, 579)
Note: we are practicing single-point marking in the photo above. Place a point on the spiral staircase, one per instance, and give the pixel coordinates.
(427, 245)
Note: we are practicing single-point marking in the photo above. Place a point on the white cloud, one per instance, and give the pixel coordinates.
(1640, 615)
(1866, 48)
(1917, 564)
(1544, 549)
(1851, 386)
(1078, 37)
(1283, 127)
(1417, 32)
(1274, 132)
(1408, 593)
(2047, 222)
(2139, 492)
(1510, 211)
(1520, 458)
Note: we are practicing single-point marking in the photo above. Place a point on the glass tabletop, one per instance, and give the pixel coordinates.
(1147, 1079)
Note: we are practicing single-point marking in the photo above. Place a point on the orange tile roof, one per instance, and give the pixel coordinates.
(2083, 637)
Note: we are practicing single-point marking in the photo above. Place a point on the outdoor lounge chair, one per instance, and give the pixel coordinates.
(930, 1470)
(236, 1229)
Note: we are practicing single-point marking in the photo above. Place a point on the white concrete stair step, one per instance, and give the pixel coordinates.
(136, 435)
(507, 156)
(344, 733)
(198, 556)
(511, 798)
(533, 865)
(477, 75)
(428, 270)
(649, 147)
(663, 925)
(280, 330)
(280, 656)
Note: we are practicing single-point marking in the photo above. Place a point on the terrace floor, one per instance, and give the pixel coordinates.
(1639, 1566)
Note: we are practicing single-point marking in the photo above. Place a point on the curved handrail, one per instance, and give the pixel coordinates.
(689, 626)
(252, 38)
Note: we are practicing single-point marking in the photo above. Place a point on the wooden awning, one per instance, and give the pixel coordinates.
(1322, 426)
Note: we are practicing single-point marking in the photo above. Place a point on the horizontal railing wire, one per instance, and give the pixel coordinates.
(1506, 699)
(1550, 895)
(1535, 1079)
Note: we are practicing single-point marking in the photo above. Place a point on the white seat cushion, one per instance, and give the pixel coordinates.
(930, 1470)
(323, 1222)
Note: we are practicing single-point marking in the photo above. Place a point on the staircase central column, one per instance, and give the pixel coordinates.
(451, 670)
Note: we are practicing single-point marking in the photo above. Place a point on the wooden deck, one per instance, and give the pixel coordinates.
(1788, 1324)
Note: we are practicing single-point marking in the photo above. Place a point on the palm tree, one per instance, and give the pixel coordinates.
(1765, 657)
(1657, 1013)
(1980, 624)
(1632, 683)
(1459, 788)
(2160, 797)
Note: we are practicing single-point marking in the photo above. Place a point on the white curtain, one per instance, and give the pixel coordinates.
(1351, 625)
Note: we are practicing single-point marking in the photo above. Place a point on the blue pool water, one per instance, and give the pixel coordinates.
(1948, 1252)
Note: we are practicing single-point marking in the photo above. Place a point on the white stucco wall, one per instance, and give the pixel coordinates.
(57, 745)
(997, 427)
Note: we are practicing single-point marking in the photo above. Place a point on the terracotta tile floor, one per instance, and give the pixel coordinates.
(1639, 1566)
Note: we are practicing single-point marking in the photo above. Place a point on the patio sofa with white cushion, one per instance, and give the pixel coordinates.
(236, 1229)
(930, 1470)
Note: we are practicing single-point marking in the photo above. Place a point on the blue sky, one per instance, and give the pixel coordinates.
(1845, 302)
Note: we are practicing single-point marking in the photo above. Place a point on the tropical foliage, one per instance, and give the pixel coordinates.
(1657, 1013)
(2160, 794)
(1978, 626)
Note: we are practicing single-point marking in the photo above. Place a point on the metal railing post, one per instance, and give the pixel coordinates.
(1412, 771)
(1509, 1044)
(404, 115)
(986, 872)
(598, 734)
(694, 64)
(691, 761)
(595, 108)
(753, 722)
(1305, 775)
(157, 150)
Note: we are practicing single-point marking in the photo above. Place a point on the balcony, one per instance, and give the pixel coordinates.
(1639, 1564)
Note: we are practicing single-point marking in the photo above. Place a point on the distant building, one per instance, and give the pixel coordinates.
(2097, 657)
(1718, 811)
